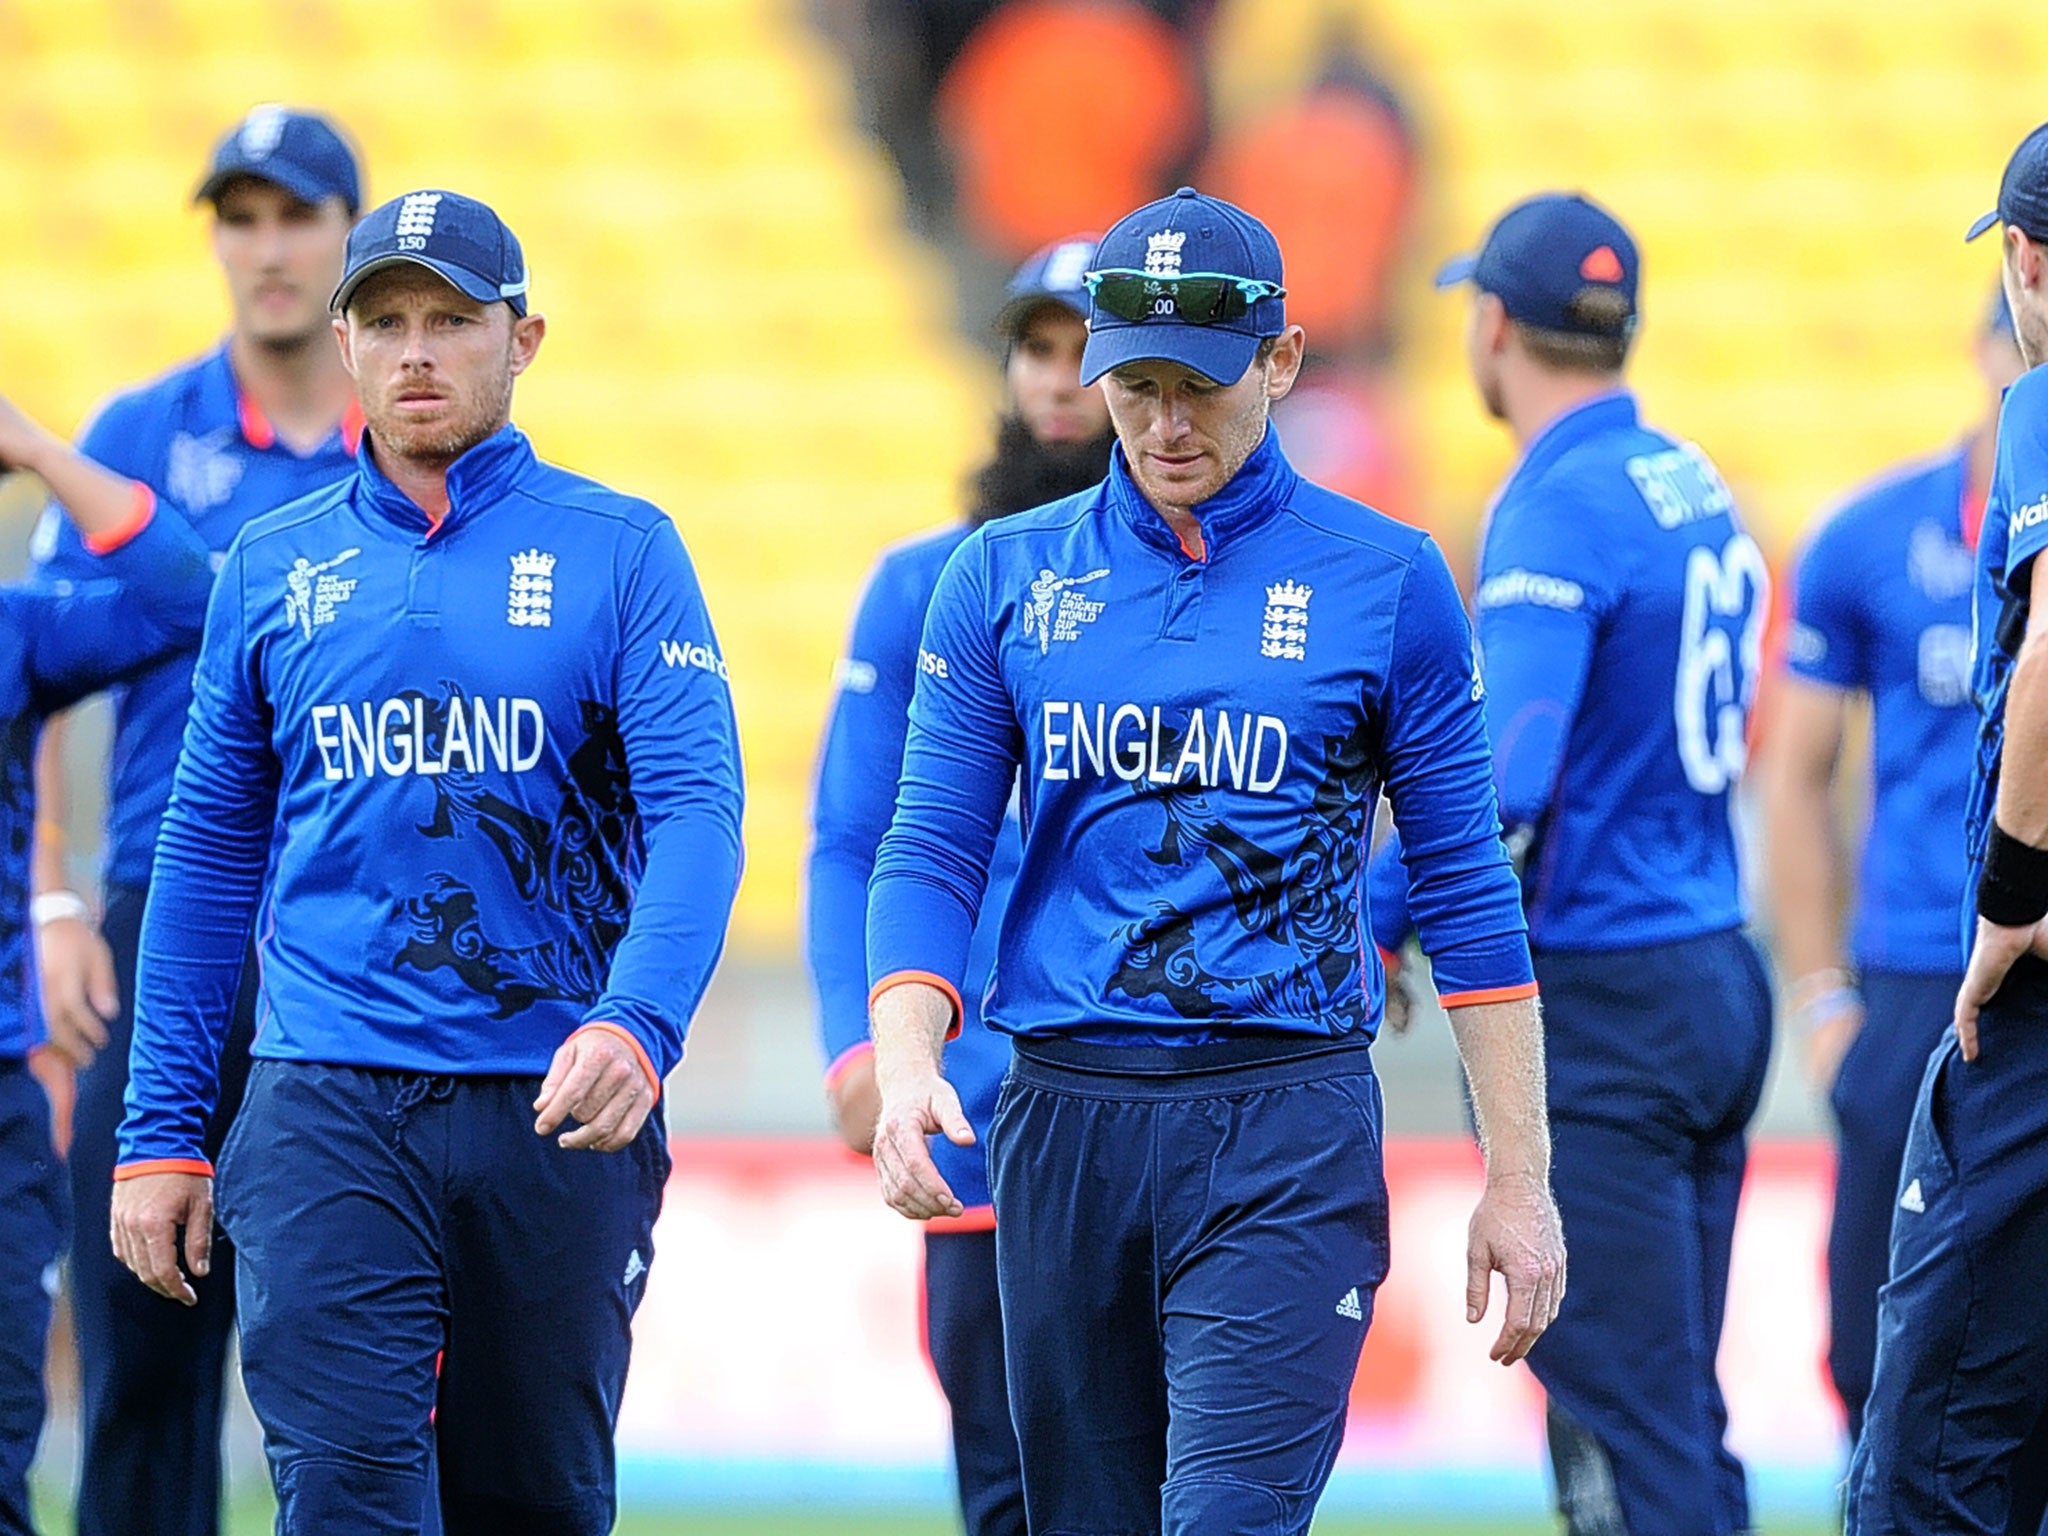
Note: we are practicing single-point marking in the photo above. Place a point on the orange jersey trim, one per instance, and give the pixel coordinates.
(198, 1165)
(1489, 995)
(843, 1062)
(1390, 961)
(125, 531)
(976, 1218)
(639, 1050)
(904, 978)
(352, 425)
(257, 431)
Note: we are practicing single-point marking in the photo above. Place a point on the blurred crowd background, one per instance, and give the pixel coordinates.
(769, 235)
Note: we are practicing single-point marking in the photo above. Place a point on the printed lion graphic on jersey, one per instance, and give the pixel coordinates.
(577, 866)
(1305, 900)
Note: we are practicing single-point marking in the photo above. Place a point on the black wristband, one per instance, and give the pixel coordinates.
(2013, 890)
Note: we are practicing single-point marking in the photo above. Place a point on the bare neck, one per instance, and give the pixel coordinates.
(302, 389)
(1541, 395)
(1185, 525)
(424, 481)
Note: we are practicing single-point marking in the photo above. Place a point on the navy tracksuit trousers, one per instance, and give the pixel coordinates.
(1955, 1433)
(1656, 1059)
(387, 1221)
(32, 1219)
(1189, 1240)
(1872, 1099)
(151, 1372)
(963, 1330)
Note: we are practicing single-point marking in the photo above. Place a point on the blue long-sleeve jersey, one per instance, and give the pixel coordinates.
(1202, 745)
(212, 459)
(498, 757)
(60, 641)
(1881, 606)
(857, 778)
(1621, 611)
(2015, 531)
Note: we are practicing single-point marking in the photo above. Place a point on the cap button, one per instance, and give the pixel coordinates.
(1187, 192)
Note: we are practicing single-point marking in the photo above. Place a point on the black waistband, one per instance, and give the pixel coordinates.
(1235, 1055)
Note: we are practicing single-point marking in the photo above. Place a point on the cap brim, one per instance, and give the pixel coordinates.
(1011, 317)
(1981, 225)
(308, 189)
(1459, 269)
(460, 279)
(1216, 354)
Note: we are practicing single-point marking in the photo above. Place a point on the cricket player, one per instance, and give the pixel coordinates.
(1881, 608)
(143, 599)
(1961, 1383)
(260, 420)
(1621, 609)
(1203, 669)
(1053, 441)
(476, 705)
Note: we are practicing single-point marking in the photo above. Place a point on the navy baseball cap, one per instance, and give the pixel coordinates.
(300, 151)
(455, 236)
(1544, 254)
(2023, 190)
(1052, 274)
(1187, 234)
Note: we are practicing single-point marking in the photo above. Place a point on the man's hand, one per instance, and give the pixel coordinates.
(856, 1103)
(147, 1214)
(917, 1102)
(1515, 1230)
(1829, 1034)
(597, 1078)
(1991, 956)
(79, 995)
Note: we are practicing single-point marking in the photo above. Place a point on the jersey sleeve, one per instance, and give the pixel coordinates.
(1827, 643)
(2022, 474)
(858, 770)
(959, 761)
(683, 765)
(210, 861)
(1462, 893)
(148, 603)
(1548, 584)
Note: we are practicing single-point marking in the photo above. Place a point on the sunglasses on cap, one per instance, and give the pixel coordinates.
(1195, 298)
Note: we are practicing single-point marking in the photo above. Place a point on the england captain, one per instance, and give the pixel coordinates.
(1203, 670)
(475, 706)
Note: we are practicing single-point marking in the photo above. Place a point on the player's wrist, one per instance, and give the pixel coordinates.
(1821, 996)
(2012, 891)
(47, 907)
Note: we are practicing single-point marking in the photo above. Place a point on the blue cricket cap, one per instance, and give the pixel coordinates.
(1544, 254)
(1052, 274)
(2023, 190)
(1187, 233)
(457, 237)
(300, 151)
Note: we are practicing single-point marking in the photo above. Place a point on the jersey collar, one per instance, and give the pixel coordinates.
(1612, 411)
(1260, 488)
(482, 476)
(256, 428)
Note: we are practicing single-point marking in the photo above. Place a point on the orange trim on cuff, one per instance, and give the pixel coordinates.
(904, 978)
(198, 1165)
(843, 1062)
(976, 1218)
(125, 531)
(639, 1050)
(1389, 961)
(1490, 995)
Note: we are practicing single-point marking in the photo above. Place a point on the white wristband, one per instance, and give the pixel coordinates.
(53, 906)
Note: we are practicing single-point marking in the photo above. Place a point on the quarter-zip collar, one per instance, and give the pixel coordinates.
(1261, 487)
(480, 477)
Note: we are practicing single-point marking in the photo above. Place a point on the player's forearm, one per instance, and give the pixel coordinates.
(2023, 769)
(99, 502)
(1501, 1045)
(49, 869)
(1804, 869)
(910, 1021)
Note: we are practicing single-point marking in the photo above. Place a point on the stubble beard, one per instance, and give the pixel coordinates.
(442, 443)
